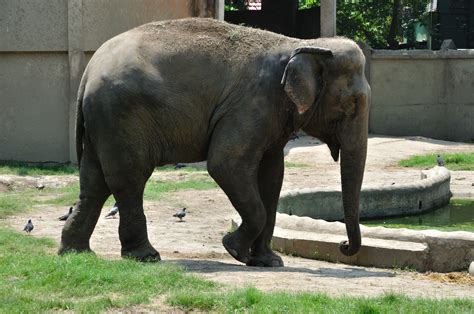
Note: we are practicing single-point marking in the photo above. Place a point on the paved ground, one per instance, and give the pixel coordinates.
(195, 243)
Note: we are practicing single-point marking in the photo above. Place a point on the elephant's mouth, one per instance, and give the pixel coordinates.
(334, 147)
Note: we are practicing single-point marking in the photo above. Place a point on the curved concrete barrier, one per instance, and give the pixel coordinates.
(424, 250)
(431, 192)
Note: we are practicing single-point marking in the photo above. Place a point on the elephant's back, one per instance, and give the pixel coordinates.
(232, 44)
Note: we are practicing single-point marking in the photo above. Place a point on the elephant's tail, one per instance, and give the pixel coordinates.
(80, 123)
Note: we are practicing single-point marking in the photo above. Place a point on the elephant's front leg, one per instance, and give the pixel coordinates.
(234, 167)
(270, 178)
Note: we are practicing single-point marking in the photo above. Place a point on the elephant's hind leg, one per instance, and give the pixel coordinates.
(126, 176)
(94, 192)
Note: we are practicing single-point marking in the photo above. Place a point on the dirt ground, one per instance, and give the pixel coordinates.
(195, 243)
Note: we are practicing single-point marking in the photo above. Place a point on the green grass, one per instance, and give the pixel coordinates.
(16, 202)
(188, 168)
(289, 164)
(458, 161)
(251, 300)
(154, 189)
(34, 169)
(33, 278)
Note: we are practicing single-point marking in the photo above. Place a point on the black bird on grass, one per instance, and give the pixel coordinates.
(28, 227)
(66, 216)
(179, 166)
(113, 211)
(180, 214)
(440, 161)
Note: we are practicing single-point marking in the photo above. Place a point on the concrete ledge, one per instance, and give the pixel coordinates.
(431, 192)
(427, 250)
(423, 54)
(374, 252)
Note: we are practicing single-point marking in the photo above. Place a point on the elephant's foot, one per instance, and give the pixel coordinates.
(235, 248)
(143, 253)
(69, 248)
(268, 259)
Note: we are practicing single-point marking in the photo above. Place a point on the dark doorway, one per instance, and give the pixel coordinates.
(279, 16)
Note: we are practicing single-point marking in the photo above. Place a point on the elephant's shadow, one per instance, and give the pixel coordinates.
(210, 266)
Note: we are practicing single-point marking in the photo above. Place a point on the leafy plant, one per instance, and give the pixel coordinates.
(382, 24)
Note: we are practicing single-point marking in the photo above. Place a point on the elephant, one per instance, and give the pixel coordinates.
(198, 89)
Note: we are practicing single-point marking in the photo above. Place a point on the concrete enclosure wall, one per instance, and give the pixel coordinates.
(44, 48)
(419, 92)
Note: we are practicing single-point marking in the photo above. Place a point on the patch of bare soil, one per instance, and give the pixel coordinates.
(11, 183)
(195, 243)
(454, 277)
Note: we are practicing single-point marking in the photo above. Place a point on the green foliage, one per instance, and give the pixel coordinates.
(234, 5)
(308, 4)
(370, 21)
(453, 161)
(35, 169)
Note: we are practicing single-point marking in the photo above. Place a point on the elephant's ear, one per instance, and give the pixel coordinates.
(302, 78)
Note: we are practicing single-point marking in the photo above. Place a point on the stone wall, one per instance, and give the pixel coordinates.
(45, 45)
(44, 48)
(427, 93)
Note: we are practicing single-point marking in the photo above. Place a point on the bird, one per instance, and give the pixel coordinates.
(113, 211)
(39, 186)
(440, 161)
(180, 214)
(66, 216)
(28, 227)
(179, 166)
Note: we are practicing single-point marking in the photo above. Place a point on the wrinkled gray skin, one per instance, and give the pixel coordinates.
(197, 89)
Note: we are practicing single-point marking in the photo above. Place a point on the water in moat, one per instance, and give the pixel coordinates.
(457, 216)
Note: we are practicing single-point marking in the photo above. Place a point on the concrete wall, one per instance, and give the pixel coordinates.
(45, 45)
(44, 48)
(427, 93)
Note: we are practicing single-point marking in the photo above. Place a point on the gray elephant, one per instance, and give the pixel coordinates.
(198, 89)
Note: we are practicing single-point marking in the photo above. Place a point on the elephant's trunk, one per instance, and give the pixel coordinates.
(353, 155)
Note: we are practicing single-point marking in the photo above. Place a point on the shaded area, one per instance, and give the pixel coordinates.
(281, 17)
(212, 266)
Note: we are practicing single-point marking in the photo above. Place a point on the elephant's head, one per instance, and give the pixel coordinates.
(331, 94)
